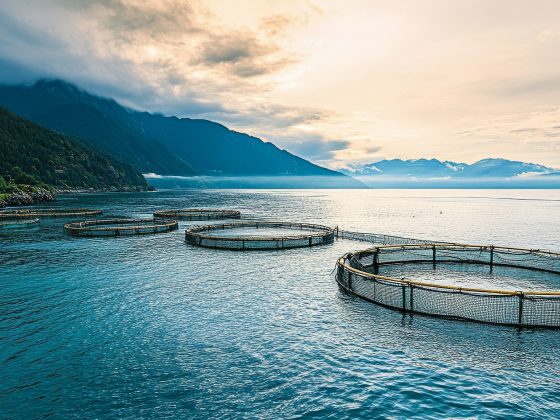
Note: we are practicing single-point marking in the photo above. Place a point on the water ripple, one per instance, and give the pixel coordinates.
(150, 327)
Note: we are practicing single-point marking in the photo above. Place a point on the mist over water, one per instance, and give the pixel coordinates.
(551, 181)
(254, 182)
(148, 326)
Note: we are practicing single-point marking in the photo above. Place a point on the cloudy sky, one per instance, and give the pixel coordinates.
(337, 82)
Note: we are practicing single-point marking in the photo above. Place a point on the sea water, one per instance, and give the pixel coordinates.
(147, 326)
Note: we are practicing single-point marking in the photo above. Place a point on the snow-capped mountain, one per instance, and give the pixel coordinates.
(436, 169)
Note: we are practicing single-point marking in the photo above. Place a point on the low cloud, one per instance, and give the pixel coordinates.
(231, 49)
(169, 57)
(314, 148)
(153, 19)
(431, 84)
(165, 57)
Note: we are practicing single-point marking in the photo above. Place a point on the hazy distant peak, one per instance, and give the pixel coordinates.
(434, 168)
(455, 167)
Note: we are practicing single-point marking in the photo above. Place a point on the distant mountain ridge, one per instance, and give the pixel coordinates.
(436, 169)
(153, 143)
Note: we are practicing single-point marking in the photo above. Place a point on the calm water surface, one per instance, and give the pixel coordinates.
(150, 327)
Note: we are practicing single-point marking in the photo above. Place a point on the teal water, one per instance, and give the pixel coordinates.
(149, 327)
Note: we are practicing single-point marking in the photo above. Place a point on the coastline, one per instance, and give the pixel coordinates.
(27, 195)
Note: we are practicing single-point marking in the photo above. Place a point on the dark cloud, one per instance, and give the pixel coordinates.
(283, 117)
(254, 68)
(100, 61)
(231, 48)
(176, 16)
(242, 54)
(14, 73)
(173, 23)
(151, 18)
(150, 57)
(267, 121)
(192, 35)
(15, 33)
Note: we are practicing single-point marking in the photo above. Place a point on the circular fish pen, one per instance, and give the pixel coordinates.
(198, 214)
(18, 223)
(47, 212)
(275, 235)
(120, 227)
(379, 275)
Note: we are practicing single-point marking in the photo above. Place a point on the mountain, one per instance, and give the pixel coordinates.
(215, 150)
(153, 143)
(35, 156)
(63, 107)
(433, 168)
(503, 168)
(431, 173)
(409, 168)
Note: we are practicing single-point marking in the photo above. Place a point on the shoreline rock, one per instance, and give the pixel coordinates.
(27, 198)
(36, 195)
(102, 190)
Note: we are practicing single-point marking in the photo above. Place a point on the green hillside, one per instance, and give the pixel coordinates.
(35, 156)
(101, 122)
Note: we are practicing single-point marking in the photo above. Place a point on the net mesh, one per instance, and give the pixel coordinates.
(380, 239)
(358, 273)
(205, 236)
(198, 214)
(120, 227)
(47, 212)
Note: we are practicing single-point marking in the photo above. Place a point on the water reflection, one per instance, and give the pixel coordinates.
(146, 326)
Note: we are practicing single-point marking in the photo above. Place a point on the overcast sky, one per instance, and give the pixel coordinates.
(336, 82)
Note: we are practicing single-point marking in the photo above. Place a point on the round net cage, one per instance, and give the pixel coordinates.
(120, 227)
(47, 212)
(256, 235)
(497, 285)
(18, 223)
(198, 214)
